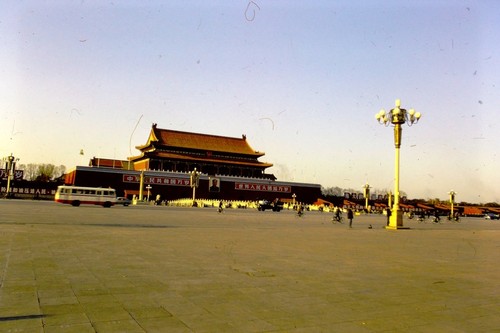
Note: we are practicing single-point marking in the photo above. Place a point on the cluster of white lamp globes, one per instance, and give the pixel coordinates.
(398, 116)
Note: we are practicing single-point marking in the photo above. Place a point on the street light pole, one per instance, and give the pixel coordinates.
(367, 195)
(141, 185)
(452, 200)
(10, 169)
(397, 214)
(397, 117)
(194, 182)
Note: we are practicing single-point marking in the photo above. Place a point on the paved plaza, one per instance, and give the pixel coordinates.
(170, 269)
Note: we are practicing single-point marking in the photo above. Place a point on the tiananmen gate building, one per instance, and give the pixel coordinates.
(229, 169)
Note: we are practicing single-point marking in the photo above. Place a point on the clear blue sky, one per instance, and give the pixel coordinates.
(302, 79)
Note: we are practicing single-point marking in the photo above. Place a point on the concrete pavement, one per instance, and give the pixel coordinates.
(165, 269)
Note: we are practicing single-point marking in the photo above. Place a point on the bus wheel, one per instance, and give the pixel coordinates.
(75, 203)
(107, 204)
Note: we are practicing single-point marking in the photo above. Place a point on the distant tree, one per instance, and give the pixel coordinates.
(350, 190)
(42, 172)
(491, 204)
(434, 201)
(45, 172)
(382, 191)
(30, 171)
(59, 171)
(332, 191)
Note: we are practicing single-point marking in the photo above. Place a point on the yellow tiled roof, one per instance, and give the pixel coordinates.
(199, 141)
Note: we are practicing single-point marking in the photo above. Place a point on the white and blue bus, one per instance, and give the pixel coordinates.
(77, 195)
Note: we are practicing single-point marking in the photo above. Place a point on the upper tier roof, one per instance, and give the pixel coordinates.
(204, 142)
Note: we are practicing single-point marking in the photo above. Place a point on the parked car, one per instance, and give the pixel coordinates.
(492, 216)
(275, 205)
(123, 201)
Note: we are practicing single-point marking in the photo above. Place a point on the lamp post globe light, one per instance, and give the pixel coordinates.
(397, 117)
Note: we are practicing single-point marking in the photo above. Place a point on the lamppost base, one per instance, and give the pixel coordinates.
(396, 221)
(396, 227)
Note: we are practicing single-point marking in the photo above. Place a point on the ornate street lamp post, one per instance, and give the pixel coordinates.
(10, 169)
(452, 200)
(194, 182)
(149, 187)
(397, 117)
(141, 185)
(366, 192)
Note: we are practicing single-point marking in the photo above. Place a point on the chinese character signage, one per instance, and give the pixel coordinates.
(18, 174)
(262, 187)
(157, 180)
(31, 191)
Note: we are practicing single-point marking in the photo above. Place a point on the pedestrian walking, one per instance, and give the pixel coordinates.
(388, 212)
(350, 216)
(300, 210)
